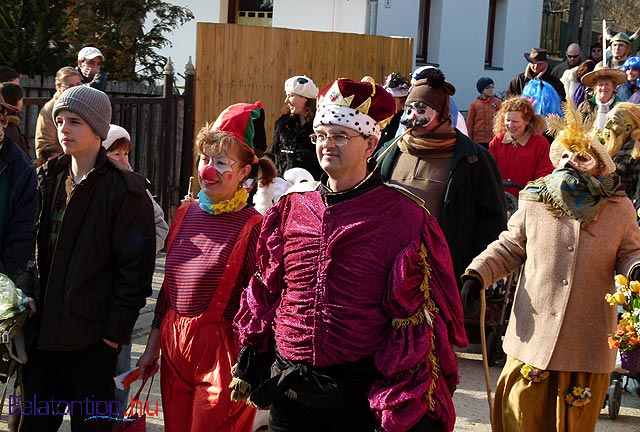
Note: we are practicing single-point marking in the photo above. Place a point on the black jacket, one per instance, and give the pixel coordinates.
(473, 211)
(18, 200)
(291, 146)
(93, 282)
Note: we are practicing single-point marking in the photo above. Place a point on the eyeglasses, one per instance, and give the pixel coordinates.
(338, 139)
(302, 80)
(573, 56)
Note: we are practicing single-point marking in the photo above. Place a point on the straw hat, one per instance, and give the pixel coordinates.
(617, 76)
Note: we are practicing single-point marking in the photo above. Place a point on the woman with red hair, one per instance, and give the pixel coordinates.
(519, 148)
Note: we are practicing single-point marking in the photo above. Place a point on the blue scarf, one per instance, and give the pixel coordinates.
(205, 202)
(567, 192)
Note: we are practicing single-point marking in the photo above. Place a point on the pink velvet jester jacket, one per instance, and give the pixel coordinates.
(370, 277)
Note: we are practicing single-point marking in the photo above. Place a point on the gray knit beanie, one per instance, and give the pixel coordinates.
(92, 105)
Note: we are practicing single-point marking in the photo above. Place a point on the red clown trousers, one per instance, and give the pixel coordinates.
(197, 356)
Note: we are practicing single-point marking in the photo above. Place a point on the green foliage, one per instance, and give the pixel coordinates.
(41, 36)
(30, 35)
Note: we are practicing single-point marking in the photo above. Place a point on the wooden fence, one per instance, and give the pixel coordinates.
(237, 63)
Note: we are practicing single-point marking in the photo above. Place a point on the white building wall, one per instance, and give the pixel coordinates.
(399, 19)
(457, 32)
(349, 16)
(457, 42)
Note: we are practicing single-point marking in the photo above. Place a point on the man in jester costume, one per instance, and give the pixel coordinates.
(354, 295)
(574, 229)
(210, 260)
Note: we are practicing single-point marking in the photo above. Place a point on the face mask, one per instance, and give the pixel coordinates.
(87, 71)
(584, 162)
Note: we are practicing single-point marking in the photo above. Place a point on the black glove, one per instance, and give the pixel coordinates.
(470, 292)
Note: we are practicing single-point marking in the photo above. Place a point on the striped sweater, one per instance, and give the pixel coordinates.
(197, 260)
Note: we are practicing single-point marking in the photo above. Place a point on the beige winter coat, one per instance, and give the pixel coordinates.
(46, 132)
(560, 320)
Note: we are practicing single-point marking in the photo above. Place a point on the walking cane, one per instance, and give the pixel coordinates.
(485, 358)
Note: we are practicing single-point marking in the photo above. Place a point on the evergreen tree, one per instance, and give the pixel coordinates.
(41, 36)
(117, 28)
(32, 35)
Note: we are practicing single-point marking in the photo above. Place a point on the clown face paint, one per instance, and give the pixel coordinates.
(420, 115)
(584, 162)
(217, 177)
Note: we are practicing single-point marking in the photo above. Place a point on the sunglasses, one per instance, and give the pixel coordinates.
(573, 56)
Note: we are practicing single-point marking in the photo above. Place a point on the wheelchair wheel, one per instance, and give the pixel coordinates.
(614, 397)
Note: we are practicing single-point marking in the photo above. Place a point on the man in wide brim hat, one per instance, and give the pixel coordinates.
(615, 75)
(537, 55)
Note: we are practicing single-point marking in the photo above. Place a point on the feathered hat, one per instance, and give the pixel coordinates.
(571, 133)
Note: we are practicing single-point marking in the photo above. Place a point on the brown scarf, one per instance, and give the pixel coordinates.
(437, 144)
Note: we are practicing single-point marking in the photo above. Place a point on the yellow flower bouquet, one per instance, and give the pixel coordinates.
(627, 297)
(625, 338)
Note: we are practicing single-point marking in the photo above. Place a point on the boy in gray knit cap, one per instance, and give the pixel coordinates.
(95, 255)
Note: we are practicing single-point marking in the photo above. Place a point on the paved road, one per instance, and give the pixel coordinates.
(470, 398)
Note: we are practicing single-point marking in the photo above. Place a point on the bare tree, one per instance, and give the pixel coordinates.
(621, 15)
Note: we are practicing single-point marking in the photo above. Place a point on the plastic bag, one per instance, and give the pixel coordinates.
(12, 300)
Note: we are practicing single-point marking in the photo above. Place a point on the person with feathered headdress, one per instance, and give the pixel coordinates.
(556, 375)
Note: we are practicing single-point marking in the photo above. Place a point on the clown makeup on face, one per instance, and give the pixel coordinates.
(421, 116)
(220, 175)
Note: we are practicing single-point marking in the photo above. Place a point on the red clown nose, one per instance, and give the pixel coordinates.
(207, 172)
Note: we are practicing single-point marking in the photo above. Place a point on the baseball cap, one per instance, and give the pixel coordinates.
(89, 53)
